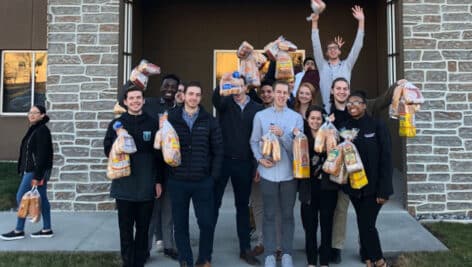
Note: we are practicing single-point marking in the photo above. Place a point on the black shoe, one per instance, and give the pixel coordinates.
(171, 253)
(335, 256)
(41, 233)
(13, 236)
(249, 258)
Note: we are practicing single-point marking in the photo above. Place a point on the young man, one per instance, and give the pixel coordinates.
(135, 194)
(236, 114)
(308, 64)
(162, 225)
(277, 184)
(201, 147)
(333, 67)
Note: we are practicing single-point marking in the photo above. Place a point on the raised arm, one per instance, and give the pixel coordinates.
(358, 14)
(315, 40)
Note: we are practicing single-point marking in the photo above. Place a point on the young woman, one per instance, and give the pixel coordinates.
(318, 196)
(35, 165)
(374, 146)
(306, 96)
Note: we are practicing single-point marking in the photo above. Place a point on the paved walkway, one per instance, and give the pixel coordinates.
(86, 231)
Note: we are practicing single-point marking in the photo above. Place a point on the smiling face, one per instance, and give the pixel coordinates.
(304, 95)
(192, 97)
(281, 93)
(315, 120)
(169, 89)
(332, 51)
(134, 101)
(340, 91)
(356, 107)
(267, 94)
(34, 115)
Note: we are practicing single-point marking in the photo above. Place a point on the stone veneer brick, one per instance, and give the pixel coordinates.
(437, 54)
(81, 90)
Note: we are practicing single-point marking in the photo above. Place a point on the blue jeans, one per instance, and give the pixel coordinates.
(201, 194)
(24, 187)
(241, 173)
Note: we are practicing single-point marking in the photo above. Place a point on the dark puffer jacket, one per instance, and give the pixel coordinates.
(145, 163)
(36, 151)
(201, 147)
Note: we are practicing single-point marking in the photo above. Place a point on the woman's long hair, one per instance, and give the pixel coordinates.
(313, 95)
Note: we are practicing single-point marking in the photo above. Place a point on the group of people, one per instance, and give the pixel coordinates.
(154, 200)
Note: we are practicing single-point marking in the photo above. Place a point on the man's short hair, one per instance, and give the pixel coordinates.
(339, 79)
(308, 59)
(131, 89)
(194, 84)
(282, 83)
(172, 77)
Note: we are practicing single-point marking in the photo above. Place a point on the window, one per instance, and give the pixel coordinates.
(23, 81)
(127, 38)
(391, 39)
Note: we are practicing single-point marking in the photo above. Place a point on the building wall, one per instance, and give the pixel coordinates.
(83, 38)
(438, 58)
(23, 27)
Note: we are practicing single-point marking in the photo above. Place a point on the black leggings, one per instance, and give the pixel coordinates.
(323, 203)
(367, 211)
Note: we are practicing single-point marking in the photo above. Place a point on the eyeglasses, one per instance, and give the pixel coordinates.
(333, 48)
(355, 103)
(33, 113)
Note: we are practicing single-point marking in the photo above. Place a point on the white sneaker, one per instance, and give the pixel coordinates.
(287, 260)
(270, 261)
(159, 245)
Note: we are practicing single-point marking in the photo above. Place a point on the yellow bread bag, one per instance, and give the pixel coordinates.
(284, 66)
(167, 140)
(358, 179)
(301, 157)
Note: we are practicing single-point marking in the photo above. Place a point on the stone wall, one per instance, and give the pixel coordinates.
(83, 38)
(438, 58)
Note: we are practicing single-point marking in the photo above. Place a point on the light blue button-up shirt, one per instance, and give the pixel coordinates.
(287, 120)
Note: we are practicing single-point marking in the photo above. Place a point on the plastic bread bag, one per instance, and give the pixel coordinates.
(276, 153)
(147, 68)
(272, 49)
(259, 58)
(352, 159)
(118, 109)
(169, 142)
(284, 66)
(358, 179)
(285, 45)
(301, 157)
(125, 142)
(230, 84)
(320, 141)
(317, 6)
(406, 119)
(248, 68)
(119, 164)
(139, 79)
(411, 94)
(24, 205)
(334, 161)
(327, 137)
(34, 207)
(341, 178)
(244, 50)
(267, 145)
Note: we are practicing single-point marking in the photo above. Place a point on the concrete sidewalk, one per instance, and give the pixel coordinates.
(86, 231)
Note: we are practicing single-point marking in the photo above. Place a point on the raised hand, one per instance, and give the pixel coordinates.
(358, 13)
(339, 41)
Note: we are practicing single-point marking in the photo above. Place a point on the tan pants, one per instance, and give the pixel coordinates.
(339, 221)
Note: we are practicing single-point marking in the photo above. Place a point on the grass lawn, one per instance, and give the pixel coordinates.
(59, 259)
(9, 181)
(457, 237)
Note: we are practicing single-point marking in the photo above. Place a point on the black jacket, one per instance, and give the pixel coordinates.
(316, 163)
(375, 148)
(236, 125)
(36, 151)
(201, 147)
(145, 163)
